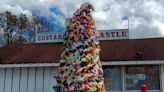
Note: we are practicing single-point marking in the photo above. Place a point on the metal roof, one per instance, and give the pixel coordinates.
(111, 50)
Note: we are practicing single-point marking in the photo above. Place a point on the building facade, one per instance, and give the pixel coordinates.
(127, 64)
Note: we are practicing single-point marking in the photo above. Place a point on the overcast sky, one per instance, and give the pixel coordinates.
(146, 18)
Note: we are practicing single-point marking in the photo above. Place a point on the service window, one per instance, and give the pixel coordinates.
(137, 75)
(112, 78)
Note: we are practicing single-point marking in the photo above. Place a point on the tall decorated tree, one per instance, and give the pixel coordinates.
(80, 69)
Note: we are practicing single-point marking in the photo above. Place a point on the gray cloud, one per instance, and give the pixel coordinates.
(146, 16)
(15, 10)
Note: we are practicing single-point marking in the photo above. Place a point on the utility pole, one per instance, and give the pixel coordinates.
(128, 23)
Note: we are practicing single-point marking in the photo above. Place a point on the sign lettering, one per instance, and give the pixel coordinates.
(104, 35)
(141, 70)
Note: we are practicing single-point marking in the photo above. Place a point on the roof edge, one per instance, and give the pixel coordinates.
(29, 65)
(146, 62)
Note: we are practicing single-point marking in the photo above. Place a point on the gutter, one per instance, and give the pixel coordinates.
(146, 62)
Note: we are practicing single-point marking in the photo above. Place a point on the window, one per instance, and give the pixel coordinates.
(112, 78)
(137, 75)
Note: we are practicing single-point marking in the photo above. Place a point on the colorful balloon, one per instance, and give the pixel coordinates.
(80, 68)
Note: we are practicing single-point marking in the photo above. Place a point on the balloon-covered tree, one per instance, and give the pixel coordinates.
(80, 68)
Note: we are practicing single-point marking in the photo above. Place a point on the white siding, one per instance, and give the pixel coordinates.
(162, 76)
(47, 80)
(39, 80)
(8, 80)
(23, 80)
(16, 80)
(33, 79)
(2, 79)
(53, 80)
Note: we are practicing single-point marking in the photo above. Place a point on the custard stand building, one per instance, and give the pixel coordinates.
(127, 63)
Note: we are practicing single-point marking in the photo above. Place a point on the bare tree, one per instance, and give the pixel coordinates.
(22, 24)
(8, 24)
(31, 28)
(14, 26)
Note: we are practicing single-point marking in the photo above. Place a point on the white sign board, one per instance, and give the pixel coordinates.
(49, 37)
(104, 35)
(114, 34)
